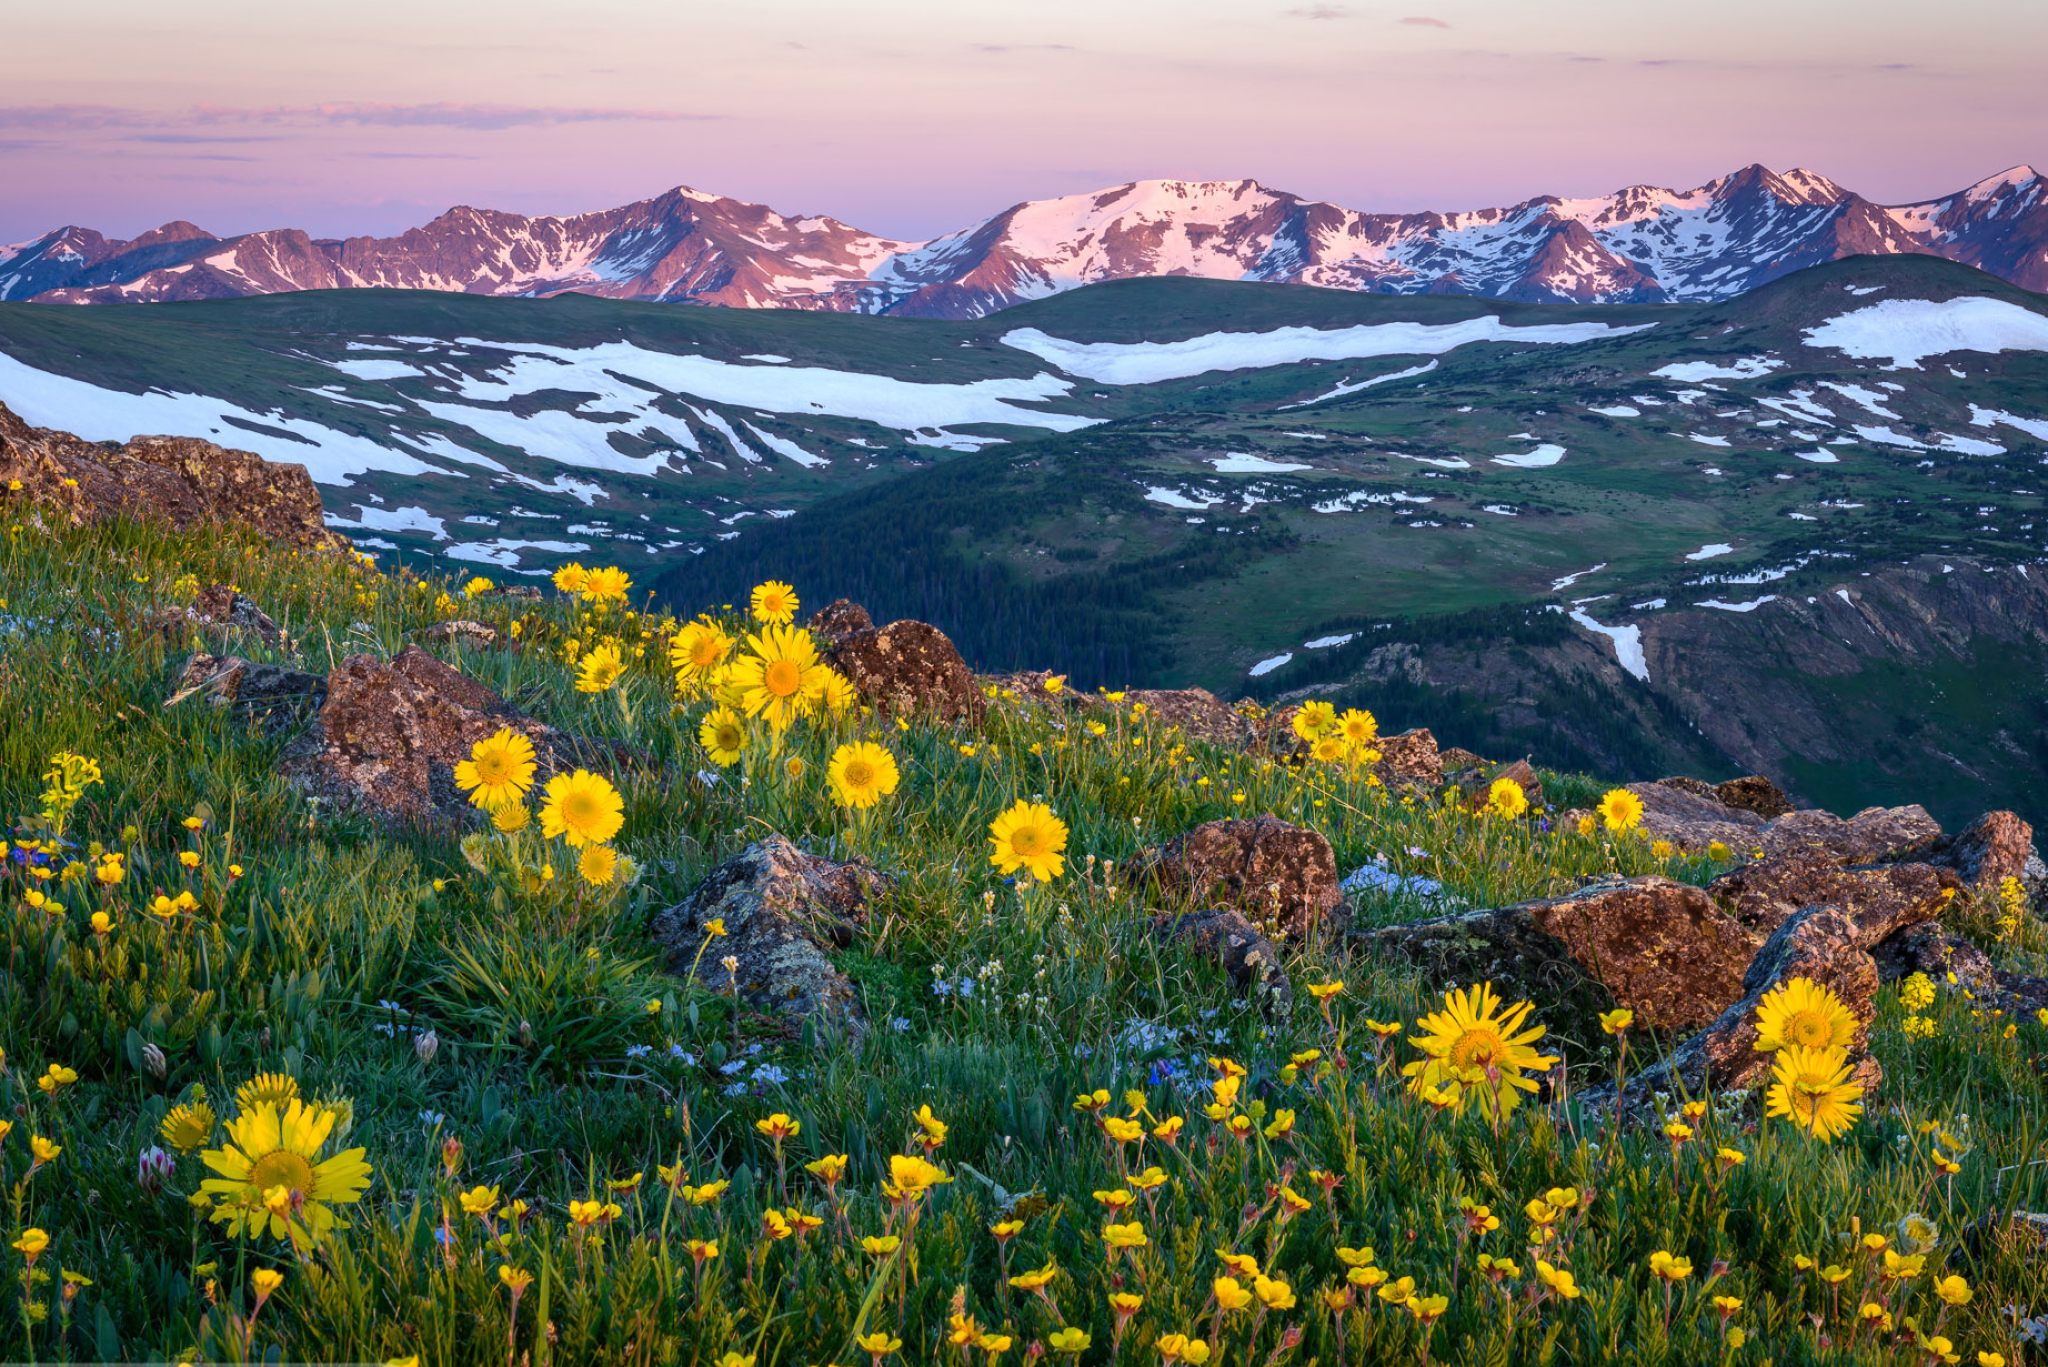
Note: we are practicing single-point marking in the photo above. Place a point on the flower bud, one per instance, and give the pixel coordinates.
(426, 1044)
(153, 1168)
(154, 1063)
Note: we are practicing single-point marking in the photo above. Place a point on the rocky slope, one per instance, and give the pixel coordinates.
(1640, 244)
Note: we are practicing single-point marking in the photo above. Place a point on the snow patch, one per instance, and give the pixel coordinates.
(1271, 663)
(1907, 331)
(1243, 463)
(1628, 643)
(1620, 410)
(1751, 606)
(1710, 550)
(1532, 460)
(1698, 372)
(1353, 386)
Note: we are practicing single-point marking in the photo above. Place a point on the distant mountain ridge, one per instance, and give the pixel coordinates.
(1642, 244)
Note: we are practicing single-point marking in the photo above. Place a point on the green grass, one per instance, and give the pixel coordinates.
(552, 1077)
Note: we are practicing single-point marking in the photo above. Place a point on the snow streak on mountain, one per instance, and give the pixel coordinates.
(1639, 245)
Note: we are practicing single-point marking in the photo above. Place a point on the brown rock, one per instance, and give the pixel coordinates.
(1456, 759)
(909, 667)
(1691, 820)
(1251, 960)
(1754, 793)
(1698, 787)
(1881, 900)
(1932, 950)
(222, 605)
(782, 909)
(276, 696)
(838, 619)
(1865, 838)
(179, 480)
(1277, 873)
(1409, 757)
(1660, 948)
(1994, 847)
(1819, 943)
(1195, 712)
(1478, 787)
(392, 731)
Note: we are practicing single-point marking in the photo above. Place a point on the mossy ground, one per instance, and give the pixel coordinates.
(570, 1067)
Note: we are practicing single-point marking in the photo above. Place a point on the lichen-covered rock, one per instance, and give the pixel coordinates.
(1196, 712)
(838, 619)
(782, 909)
(179, 480)
(1477, 785)
(1954, 964)
(1754, 793)
(1873, 834)
(1686, 813)
(1881, 900)
(460, 631)
(1660, 948)
(391, 731)
(1994, 847)
(1251, 960)
(1277, 873)
(277, 697)
(907, 668)
(1820, 943)
(1409, 757)
(223, 605)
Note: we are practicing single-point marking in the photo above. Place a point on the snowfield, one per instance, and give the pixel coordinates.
(1693, 372)
(1906, 332)
(1532, 460)
(1153, 362)
(1628, 643)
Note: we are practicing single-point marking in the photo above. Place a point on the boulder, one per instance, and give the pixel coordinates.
(1686, 813)
(1477, 786)
(1932, 950)
(1662, 949)
(391, 732)
(222, 605)
(1873, 834)
(1994, 847)
(1820, 943)
(1278, 874)
(1754, 793)
(837, 620)
(1409, 757)
(782, 910)
(277, 697)
(179, 480)
(1881, 900)
(908, 667)
(1195, 712)
(1250, 959)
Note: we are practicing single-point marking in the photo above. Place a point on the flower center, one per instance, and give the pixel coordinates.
(579, 809)
(1478, 1047)
(859, 774)
(1811, 1029)
(1027, 840)
(705, 655)
(282, 1168)
(494, 767)
(782, 678)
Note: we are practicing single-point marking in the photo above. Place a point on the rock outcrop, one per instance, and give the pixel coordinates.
(1278, 874)
(1688, 814)
(277, 697)
(1662, 949)
(180, 480)
(907, 668)
(1250, 959)
(1994, 847)
(1820, 943)
(781, 910)
(1754, 793)
(1873, 834)
(390, 733)
(1882, 900)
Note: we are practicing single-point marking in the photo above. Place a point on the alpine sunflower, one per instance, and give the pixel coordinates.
(862, 774)
(1811, 1088)
(774, 602)
(1028, 836)
(583, 808)
(723, 736)
(599, 865)
(598, 671)
(1315, 717)
(572, 578)
(499, 770)
(1330, 749)
(1474, 1047)
(188, 1126)
(269, 1147)
(782, 679)
(273, 1088)
(1506, 798)
(1358, 726)
(1805, 1014)
(698, 650)
(837, 692)
(1622, 810)
(604, 585)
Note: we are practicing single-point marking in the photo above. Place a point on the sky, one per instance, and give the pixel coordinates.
(911, 118)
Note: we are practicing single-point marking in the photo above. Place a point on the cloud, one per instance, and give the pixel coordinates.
(1424, 21)
(476, 117)
(998, 48)
(1319, 12)
(70, 118)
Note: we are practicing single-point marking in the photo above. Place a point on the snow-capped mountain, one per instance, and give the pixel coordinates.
(1640, 244)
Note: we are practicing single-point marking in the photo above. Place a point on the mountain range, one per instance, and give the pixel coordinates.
(1643, 244)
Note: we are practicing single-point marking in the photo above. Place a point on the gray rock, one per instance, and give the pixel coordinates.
(782, 909)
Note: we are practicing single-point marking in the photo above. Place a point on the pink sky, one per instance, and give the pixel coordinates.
(914, 117)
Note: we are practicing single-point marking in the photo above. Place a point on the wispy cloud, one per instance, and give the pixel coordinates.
(157, 125)
(476, 117)
(1319, 12)
(1424, 21)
